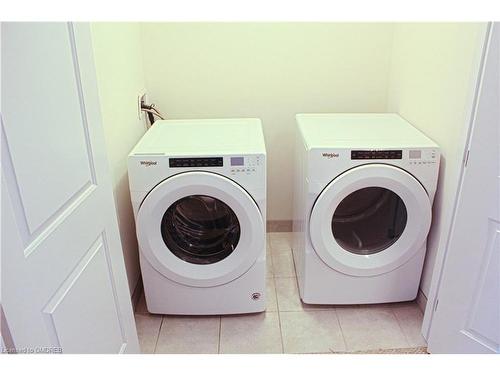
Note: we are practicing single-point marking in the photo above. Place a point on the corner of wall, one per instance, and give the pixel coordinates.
(388, 99)
(433, 74)
(120, 77)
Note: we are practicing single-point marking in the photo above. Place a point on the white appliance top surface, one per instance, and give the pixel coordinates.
(363, 130)
(203, 137)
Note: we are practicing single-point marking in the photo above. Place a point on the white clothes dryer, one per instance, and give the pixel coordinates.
(363, 193)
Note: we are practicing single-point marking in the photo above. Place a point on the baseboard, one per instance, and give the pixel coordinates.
(421, 300)
(279, 225)
(137, 293)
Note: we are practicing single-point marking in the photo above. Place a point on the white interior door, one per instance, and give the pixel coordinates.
(467, 309)
(64, 286)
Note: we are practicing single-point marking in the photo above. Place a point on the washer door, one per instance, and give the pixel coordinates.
(370, 220)
(200, 229)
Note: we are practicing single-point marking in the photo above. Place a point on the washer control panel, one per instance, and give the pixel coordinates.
(231, 164)
(195, 162)
(422, 157)
(244, 164)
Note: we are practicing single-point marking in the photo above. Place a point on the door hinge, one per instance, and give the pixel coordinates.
(436, 302)
(466, 158)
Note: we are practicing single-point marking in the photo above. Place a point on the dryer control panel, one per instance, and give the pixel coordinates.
(376, 154)
(194, 162)
(423, 157)
(411, 156)
(244, 164)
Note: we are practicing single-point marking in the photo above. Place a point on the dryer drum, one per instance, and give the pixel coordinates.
(369, 220)
(200, 229)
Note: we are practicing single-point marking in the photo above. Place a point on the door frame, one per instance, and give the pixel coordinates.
(437, 274)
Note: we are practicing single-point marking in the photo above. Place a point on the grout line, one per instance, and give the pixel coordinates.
(341, 331)
(293, 261)
(293, 267)
(278, 304)
(268, 243)
(220, 331)
(279, 317)
(298, 294)
(278, 311)
(159, 332)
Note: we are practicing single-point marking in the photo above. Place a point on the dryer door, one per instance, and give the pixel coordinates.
(200, 229)
(370, 220)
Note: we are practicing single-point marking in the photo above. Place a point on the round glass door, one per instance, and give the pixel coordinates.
(200, 229)
(369, 220)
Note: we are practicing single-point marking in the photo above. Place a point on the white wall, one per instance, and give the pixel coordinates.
(433, 73)
(271, 71)
(120, 75)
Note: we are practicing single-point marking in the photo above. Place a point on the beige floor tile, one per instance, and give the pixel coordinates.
(288, 294)
(269, 261)
(280, 241)
(186, 334)
(289, 298)
(268, 245)
(148, 329)
(141, 306)
(271, 302)
(311, 332)
(410, 319)
(370, 327)
(269, 267)
(283, 264)
(253, 333)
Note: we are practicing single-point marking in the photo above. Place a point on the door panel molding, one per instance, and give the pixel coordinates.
(479, 327)
(83, 108)
(33, 235)
(98, 251)
(31, 240)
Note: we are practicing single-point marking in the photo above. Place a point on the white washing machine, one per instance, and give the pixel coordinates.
(198, 189)
(363, 193)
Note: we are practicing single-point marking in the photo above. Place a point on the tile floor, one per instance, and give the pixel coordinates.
(288, 326)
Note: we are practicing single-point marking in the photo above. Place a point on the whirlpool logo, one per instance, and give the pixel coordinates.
(330, 155)
(148, 163)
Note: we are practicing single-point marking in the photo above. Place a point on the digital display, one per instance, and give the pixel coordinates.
(376, 154)
(237, 161)
(194, 162)
(415, 154)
